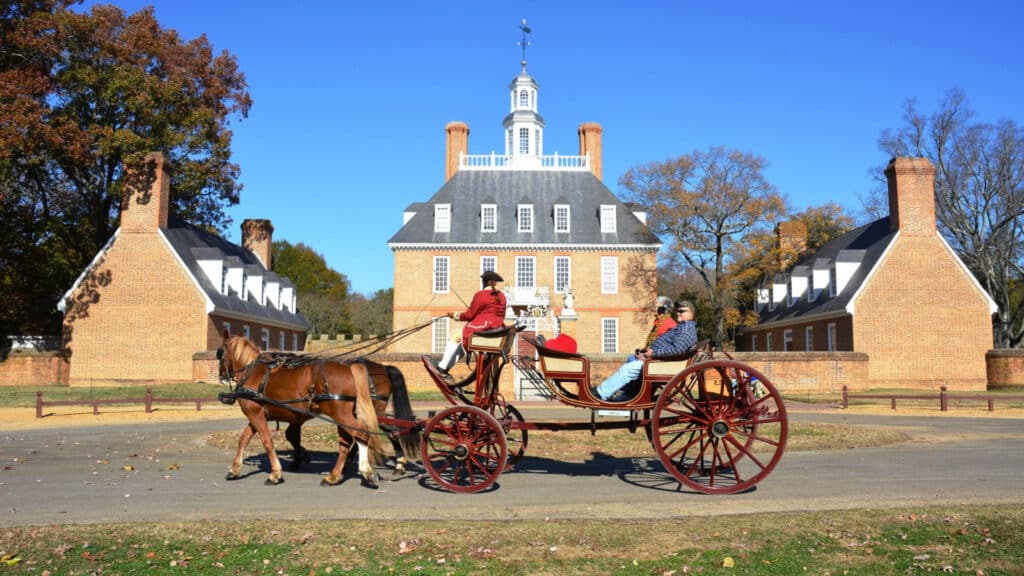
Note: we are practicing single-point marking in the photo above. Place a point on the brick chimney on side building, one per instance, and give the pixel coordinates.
(911, 196)
(258, 237)
(147, 190)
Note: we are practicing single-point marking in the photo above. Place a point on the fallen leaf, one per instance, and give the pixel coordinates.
(127, 467)
(728, 562)
(173, 467)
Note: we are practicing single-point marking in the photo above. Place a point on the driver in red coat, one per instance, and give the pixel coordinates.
(486, 310)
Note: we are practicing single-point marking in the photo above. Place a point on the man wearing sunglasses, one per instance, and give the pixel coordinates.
(676, 341)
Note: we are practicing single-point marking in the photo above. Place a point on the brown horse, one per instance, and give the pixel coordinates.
(294, 394)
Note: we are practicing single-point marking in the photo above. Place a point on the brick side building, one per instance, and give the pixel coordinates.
(893, 289)
(546, 223)
(159, 292)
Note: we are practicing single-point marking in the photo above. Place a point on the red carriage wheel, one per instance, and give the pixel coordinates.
(464, 449)
(719, 427)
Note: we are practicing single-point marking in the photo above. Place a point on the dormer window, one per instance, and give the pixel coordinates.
(525, 217)
(561, 217)
(608, 219)
(442, 217)
(488, 217)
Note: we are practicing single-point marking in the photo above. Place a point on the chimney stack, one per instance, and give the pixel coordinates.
(257, 237)
(911, 196)
(456, 142)
(590, 143)
(146, 193)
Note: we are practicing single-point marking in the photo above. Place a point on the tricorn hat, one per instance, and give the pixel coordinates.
(491, 275)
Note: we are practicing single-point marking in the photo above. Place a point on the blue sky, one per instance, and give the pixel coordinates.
(351, 99)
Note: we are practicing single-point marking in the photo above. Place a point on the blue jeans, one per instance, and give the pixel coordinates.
(626, 373)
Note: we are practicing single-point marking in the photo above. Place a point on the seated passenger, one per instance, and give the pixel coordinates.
(562, 343)
(676, 341)
(486, 310)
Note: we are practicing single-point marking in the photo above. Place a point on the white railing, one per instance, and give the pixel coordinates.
(494, 161)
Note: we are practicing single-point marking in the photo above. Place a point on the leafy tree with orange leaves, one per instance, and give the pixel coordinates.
(82, 96)
(705, 205)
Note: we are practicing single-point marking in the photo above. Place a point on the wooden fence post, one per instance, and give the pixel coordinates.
(943, 400)
(39, 404)
(149, 399)
(846, 398)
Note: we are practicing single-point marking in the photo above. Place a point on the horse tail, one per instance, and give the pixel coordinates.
(365, 412)
(410, 441)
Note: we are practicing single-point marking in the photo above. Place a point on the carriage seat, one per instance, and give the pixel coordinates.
(560, 368)
(492, 340)
(661, 370)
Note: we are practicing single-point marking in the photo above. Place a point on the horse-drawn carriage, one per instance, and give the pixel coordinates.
(717, 425)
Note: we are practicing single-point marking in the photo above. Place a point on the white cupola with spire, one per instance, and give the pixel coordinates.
(524, 127)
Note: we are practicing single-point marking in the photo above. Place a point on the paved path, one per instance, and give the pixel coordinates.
(77, 475)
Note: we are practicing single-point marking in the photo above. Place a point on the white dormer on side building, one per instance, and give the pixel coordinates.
(779, 291)
(211, 262)
(763, 296)
(254, 284)
(234, 276)
(847, 262)
(819, 277)
(288, 297)
(272, 290)
(798, 279)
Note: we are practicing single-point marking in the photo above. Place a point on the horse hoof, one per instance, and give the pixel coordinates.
(328, 481)
(371, 481)
(273, 481)
(232, 476)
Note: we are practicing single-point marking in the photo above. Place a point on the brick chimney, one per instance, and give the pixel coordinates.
(146, 193)
(791, 240)
(911, 196)
(590, 142)
(456, 142)
(257, 237)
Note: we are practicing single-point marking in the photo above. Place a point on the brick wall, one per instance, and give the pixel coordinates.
(923, 333)
(1005, 368)
(136, 316)
(31, 368)
(415, 303)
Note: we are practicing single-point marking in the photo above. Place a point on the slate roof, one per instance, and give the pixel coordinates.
(865, 244)
(188, 242)
(467, 190)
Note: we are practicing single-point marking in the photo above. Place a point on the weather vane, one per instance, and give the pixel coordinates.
(525, 41)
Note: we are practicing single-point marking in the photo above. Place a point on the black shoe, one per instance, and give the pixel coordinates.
(595, 393)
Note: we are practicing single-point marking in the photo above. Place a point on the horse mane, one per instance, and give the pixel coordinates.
(241, 351)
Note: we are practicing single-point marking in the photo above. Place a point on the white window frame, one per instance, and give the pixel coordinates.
(753, 342)
(809, 338)
(442, 275)
(442, 217)
(608, 225)
(768, 342)
(280, 340)
(488, 263)
(609, 335)
(440, 328)
(524, 141)
(488, 217)
(831, 336)
(265, 338)
(609, 274)
(562, 223)
(524, 218)
(524, 98)
(787, 340)
(521, 276)
(563, 278)
(245, 331)
(295, 342)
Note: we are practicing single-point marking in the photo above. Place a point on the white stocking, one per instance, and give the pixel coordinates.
(452, 352)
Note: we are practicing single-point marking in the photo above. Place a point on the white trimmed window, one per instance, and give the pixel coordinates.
(280, 341)
(753, 343)
(526, 267)
(442, 217)
(245, 331)
(295, 342)
(525, 217)
(524, 99)
(488, 264)
(768, 342)
(488, 217)
(609, 275)
(609, 335)
(441, 271)
(265, 338)
(787, 340)
(227, 327)
(561, 217)
(832, 337)
(607, 218)
(524, 140)
(439, 335)
(809, 338)
(563, 273)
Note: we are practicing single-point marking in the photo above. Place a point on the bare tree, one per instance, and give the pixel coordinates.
(979, 197)
(703, 205)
